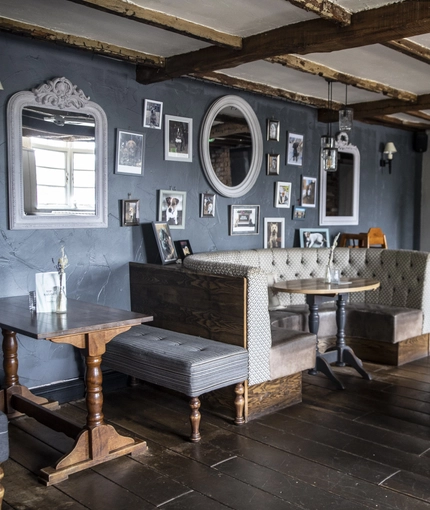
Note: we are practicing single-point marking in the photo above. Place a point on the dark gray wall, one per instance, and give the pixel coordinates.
(99, 258)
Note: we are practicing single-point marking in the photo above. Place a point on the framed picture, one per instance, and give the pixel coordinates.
(299, 213)
(207, 208)
(183, 249)
(165, 244)
(294, 149)
(130, 152)
(274, 233)
(244, 219)
(273, 164)
(314, 238)
(178, 138)
(273, 130)
(130, 213)
(283, 194)
(172, 208)
(308, 193)
(152, 114)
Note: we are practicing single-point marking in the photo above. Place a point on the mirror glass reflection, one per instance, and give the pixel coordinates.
(230, 146)
(340, 190)
(340, 187)
(58, 161)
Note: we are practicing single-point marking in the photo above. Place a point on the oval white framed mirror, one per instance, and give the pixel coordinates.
(231, 146)
(57, 159)
(340, 190)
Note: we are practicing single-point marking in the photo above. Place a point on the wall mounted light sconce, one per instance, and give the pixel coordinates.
(389, 150)
(329, 153)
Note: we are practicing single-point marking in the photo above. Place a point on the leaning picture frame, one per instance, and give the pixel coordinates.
(207, 205)
(178, 139)
(283, 194)
(274, 233)
(165, 245)
(183, 248)
(273, 164)
(314, 238)
(244, 219)
(130, 152)
(294, 149)
(273, 127)
(308, 191)
(130, 213)
(172, 207)
(152, 114)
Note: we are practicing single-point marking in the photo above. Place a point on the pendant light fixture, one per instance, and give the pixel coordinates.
(346, 115)
(328, 148)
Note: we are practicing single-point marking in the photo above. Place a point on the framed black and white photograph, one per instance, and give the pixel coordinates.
(244, 219)
(130, 152)
(207, 206)
(183, 249)
(274, 233)
(299, 213)
(273, 164)
(273, 130)
(165, 244)
(314, 238)
(283, 194)
(178, 139)
(172, 207)
(294, 149)
(308, 192)
(152, 114)
(130, 213)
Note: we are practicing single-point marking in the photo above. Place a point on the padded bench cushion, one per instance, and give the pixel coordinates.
(185, 363)
(291, 352)
(382, 323)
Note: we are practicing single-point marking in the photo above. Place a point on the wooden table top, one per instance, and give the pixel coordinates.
(81, 317)
(319, 286)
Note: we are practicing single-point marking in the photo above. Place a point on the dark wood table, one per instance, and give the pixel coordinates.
(88, 327)
(318, 291)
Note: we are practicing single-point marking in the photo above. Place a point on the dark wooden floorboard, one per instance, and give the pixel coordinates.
(367, 446)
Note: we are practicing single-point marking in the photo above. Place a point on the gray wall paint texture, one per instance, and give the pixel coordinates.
(98, 270)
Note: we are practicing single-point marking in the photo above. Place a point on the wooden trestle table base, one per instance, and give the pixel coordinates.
(88, 327)
(318, 291)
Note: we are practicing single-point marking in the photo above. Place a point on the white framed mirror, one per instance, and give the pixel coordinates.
(57, 159)
(340, 190)
(231, 146)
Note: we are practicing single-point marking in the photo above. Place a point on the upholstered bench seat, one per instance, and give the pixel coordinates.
(293, 349)
(184, 363)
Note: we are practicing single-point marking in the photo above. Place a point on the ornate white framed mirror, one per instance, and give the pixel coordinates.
(340, 190)
(57, 159)
(231, 146)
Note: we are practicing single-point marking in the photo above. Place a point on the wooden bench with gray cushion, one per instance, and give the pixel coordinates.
(4, 449)
(188, 364)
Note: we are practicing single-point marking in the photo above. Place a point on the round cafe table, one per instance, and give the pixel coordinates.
(318, 291)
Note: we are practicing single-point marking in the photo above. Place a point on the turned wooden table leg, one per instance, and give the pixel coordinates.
(239, 403)
(195, 420)
(94, 389)
(10, 358)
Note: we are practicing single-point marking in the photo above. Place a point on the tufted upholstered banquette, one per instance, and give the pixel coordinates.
(378, 321)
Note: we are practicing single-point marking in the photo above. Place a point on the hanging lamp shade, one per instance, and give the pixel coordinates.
(346, 115)
(329, 152)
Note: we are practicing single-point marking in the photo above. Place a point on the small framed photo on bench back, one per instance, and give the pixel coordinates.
(183, 249)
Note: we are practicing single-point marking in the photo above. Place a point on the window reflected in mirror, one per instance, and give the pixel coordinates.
(340, 187)
(58, 162)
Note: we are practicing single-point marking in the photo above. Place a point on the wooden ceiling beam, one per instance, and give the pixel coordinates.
(372, 26)
(325, 10)
(165, 21)
(379, 108)
(395, 123)
(83, 43)
(261, 88)
(419, 115)
(410, 49)
(307, 66)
